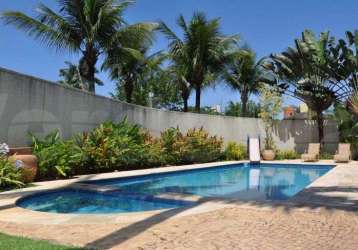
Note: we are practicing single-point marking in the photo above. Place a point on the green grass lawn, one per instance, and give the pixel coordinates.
(14, 243)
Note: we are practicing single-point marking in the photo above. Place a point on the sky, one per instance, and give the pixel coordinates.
(267, 26)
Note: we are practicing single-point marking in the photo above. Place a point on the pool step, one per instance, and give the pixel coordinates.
(95, 188)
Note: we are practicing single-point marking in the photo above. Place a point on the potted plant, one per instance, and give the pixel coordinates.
(270, 101)
(23, 159)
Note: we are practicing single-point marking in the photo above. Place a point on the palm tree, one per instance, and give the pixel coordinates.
(243, 73)
(71, 77)
(85, 26)
(307, 72)
(130, 70)
(203, 49)
(179, 77)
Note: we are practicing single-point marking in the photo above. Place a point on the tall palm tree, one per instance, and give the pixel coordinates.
(307, 72)
(85, 26)
(202, 50)
(243, 73)
(71, 77)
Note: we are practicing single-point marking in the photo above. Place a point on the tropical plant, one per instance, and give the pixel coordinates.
(235, 109)
(57, 158)
(244, 74)
(71, 77)
(201, 52)
(10, 176)
(347, 72)
(353, 102)
(198, 146)
(132, 70)
(286, 155)
(119, 146)
(325, 156)
(169, 142)
(307, 72)
(85, 26)
(166, 94)
(271, 102)
(179, 76)
(113, 146)
(235, 151)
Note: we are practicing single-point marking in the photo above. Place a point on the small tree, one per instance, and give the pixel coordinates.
(243, 73)
(271, 102)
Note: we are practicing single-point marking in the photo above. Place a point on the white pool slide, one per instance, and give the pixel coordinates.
(254, 150)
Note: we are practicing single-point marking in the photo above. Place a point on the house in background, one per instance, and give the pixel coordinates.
(296, 113)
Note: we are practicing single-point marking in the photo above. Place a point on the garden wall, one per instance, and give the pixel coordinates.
(29, 104)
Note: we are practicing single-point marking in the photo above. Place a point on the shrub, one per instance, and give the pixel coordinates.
(112, 146)
(235, 151)
(57, 158)
(10, 176)
(286, 155)
(116, 146)
(197, 146)
(170, 143)
(325, 156)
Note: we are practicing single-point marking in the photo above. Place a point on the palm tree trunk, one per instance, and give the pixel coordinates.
(320, 125)
(186, 109)
(88, 67)
(244, 100)
(197, 97)
(185, 93)
(128, 88)
(91, 78)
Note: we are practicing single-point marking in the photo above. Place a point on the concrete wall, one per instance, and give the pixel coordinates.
(29, 104)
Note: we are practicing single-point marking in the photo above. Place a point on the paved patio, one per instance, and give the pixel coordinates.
(323, 216)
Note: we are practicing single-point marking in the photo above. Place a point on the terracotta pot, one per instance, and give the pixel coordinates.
(29, 161)
(268, 155)
(20, 151)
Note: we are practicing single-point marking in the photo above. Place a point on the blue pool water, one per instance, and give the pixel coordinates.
(83, 202)
(241, 181)
(244, 181)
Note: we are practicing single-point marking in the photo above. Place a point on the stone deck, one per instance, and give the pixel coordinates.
(322, 216)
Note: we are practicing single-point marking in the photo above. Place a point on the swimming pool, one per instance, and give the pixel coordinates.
(241, 181)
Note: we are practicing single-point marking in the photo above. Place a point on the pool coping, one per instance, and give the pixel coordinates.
(8, 199)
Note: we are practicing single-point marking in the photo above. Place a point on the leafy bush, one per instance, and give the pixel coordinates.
(197, 146)
(10, 176)
(286, 155)
(325, 156)
(116, 146)
(235, 151)
(57, 158)
(121, 146)
(169, 142)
